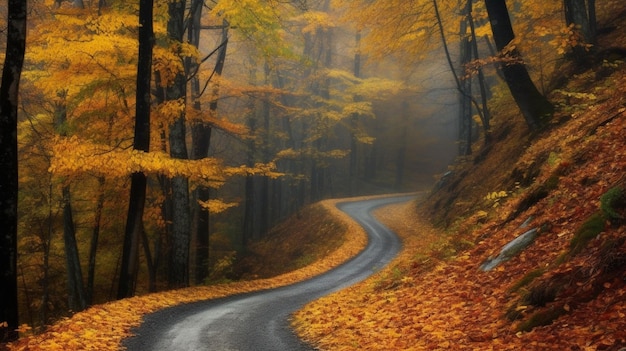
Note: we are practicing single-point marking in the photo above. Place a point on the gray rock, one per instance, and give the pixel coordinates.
(511, 249)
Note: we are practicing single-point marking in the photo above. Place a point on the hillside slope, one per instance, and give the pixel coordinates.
(566, 291)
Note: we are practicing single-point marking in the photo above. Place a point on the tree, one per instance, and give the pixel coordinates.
(581, 13)
(176, 91)
(534, 106)
(77, 300)
(141, 142)
(201, 135)
(9, 88)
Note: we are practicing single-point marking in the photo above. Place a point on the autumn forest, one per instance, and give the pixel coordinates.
(154, 146)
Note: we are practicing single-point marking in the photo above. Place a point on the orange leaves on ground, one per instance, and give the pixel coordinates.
(455, 305)
(103, 327)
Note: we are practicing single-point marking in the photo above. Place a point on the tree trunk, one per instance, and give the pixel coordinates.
(13, 62)
(265, 206)
(576, 13)
(593, 24)
(486, 115)
(401, 150)
(134, 220)
(249, 222)
(93, 247)
(354, 123)
(465, 111)
(200, 142)
(463, 86)
(181, 221)
(534, 107)
(76, 289)
(75, 286)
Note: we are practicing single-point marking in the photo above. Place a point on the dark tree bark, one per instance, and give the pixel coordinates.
(593, 24)
(581, 15)
(141, 141)
(181, 216)
(534, 106)
(93, 247)
(576, 13)
(11, 72)
(201, 142)
(464, 87)
(77, 300)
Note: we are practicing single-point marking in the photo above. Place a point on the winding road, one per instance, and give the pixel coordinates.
(259, 321)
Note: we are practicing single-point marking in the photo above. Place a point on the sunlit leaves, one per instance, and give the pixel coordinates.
(402, 29)
(74, 156)
(314, 21)
(258, 20)
(216, 206)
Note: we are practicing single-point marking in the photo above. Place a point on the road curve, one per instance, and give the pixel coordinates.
(258, 321)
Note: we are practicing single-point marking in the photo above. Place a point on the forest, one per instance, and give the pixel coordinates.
(151, 145)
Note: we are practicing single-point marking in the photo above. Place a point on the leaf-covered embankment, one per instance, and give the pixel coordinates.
(566, 291)
(103, 327)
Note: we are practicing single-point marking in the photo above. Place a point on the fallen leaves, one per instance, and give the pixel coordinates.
(103, 327)
(454, 305)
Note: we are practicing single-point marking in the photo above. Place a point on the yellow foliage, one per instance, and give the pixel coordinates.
(314, 21)
(71, 156)
(216, 206)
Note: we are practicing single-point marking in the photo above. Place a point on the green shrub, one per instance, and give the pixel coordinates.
(610, 201)
(541, 318)
(527, 279)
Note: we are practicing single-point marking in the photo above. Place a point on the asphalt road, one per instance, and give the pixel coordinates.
(258, 321)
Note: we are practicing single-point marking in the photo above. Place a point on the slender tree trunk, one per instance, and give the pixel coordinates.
(200, 142)
(249, 222)
(150, 261)
(354, 123)
(75, 287)
(46, 243)
(265, 206)
(93, 247)
(13, 62)
(401, 150)
(463, 86)
(486, 115)
(76, 290)
(134, 220)
(534, 107)
(465, 111)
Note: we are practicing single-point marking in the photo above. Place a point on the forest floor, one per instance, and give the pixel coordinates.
(325, 237)
(565, 291)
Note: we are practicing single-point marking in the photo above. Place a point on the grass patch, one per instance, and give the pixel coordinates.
(541, 318)
(527, 279)
(590, 229)
(611, 201)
